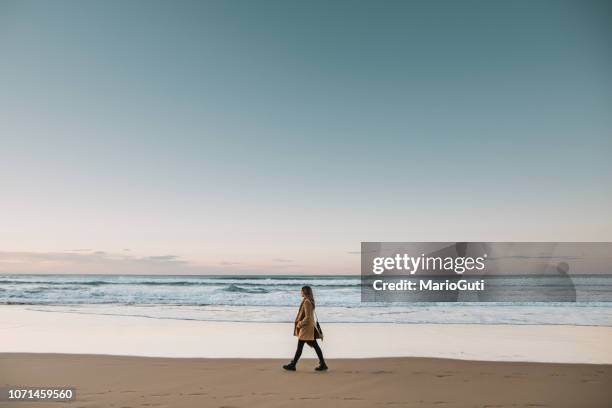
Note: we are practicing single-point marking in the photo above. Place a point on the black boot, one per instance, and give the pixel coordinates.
(322, 366)
(290, 366)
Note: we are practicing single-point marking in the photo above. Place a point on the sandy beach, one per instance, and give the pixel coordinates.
(129, 362)
(131, 382)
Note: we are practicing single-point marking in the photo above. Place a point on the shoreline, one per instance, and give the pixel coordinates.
(27, 331)
(307, 356)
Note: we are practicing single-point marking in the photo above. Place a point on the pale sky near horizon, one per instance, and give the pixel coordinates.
(275, 136)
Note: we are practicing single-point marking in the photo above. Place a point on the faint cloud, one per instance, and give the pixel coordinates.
(90, 262)
(125, 263)
(161, 258)
(229, 263)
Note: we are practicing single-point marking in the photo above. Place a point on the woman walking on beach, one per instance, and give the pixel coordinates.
(307, 330)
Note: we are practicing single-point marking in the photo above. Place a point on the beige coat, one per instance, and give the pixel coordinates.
(304, 327)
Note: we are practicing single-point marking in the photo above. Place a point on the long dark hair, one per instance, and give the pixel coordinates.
(307, 292)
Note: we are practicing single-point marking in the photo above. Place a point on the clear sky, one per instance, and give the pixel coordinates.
(275, 136)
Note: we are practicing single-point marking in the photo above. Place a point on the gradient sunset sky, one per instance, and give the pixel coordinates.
(275, 136)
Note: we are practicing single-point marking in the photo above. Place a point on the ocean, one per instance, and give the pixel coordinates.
(273, 299)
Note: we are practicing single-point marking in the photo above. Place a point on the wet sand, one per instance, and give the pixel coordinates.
(29, 329)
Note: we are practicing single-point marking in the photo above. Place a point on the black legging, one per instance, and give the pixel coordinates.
(311, 343)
